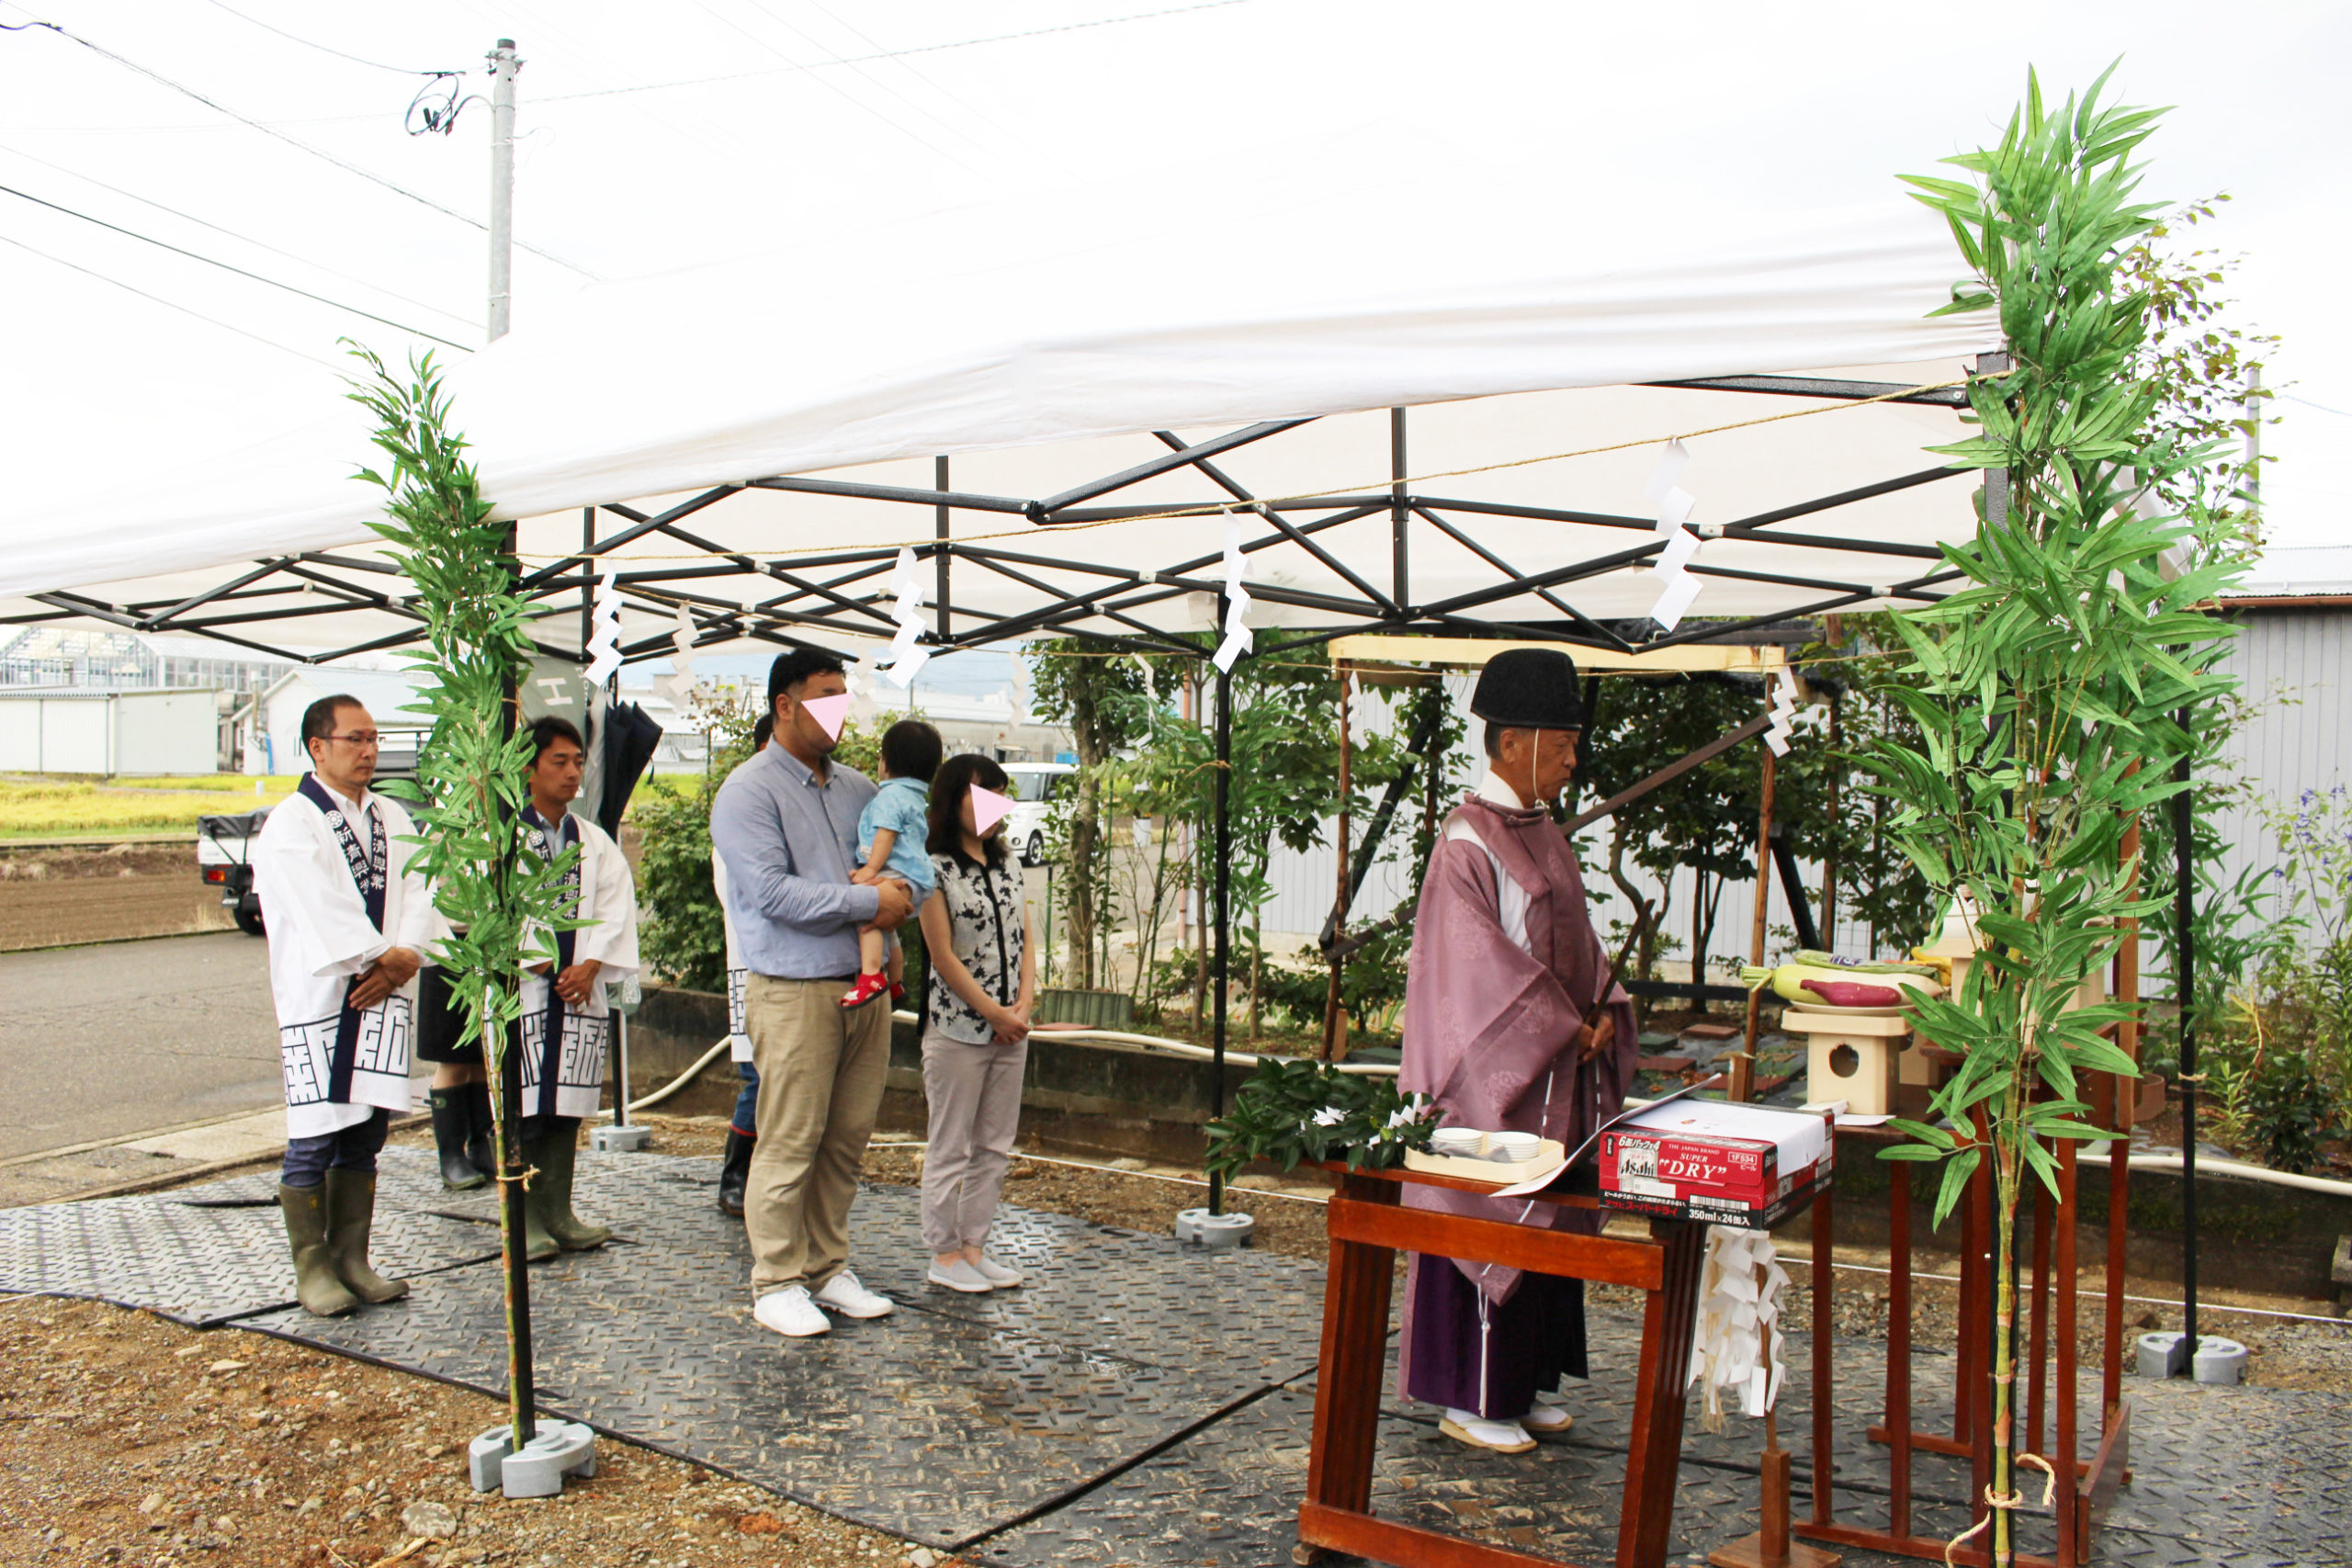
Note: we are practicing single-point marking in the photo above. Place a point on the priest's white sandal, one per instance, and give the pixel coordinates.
(1547, 1421)
(1496, 1436)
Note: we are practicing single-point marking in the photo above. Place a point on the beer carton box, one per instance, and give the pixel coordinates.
(1728, 1165)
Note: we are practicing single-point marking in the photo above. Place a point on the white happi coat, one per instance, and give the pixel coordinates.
(564, 1046)
(738, 1044)
(339, 1064)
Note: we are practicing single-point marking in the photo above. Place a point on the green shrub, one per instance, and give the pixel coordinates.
(2287, 1113)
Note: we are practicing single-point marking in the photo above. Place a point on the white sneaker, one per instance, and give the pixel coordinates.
(846, 1296)
(1497, 1437)
(790, 1313)
(995, 1273)
(958, 1276)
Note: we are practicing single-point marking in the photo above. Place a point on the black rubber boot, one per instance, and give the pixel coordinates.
(551, 1192)
(481, 1144)
(735, 1175)
(351, 1214)
(316, 1285)
(452, 1123)
(539, 1245)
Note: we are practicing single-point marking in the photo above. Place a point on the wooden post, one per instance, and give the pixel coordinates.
(1742, 1076)
(1772, 1546)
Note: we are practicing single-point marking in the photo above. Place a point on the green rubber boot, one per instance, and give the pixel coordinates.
(316, 1285)
(551, 1193)
(351, 1213)
(539, 1242)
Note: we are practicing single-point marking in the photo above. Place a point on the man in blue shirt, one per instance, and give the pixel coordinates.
(785, 826)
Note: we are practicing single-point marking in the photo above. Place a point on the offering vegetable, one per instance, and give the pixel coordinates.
(1819, 980)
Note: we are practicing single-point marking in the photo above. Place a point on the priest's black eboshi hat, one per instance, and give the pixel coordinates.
(1530, 688)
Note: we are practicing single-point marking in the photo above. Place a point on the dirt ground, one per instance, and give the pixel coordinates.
(126, 1439)
(54, 895)
(138, 1442)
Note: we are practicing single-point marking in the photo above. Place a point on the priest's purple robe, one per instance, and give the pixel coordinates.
(1505, 969)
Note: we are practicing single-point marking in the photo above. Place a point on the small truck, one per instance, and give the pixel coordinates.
(224, 859)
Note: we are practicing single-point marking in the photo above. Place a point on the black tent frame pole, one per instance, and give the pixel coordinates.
(2184, 937)
(1224, 790)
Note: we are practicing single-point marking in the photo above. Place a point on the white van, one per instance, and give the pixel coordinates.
(1041, 788)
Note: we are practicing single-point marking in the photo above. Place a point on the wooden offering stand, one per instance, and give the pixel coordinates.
(2047, 1304)
(1369, 1226)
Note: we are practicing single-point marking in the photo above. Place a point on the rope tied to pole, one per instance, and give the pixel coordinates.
(1997, 1501)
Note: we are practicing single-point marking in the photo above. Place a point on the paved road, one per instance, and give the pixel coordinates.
(119, 1038)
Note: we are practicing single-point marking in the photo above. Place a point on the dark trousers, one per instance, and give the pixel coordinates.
(746, 1121)
(355, 1147)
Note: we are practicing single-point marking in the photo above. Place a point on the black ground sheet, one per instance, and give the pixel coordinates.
(1134, 1404)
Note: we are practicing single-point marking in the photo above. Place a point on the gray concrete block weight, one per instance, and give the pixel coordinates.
(1213, 1233)
(630, 1140)
(2163, 1354)
(558, 1449)
(2219, 1362)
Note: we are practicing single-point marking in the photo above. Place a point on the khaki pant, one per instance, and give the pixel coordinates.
(822, 1070)
(975, 1097)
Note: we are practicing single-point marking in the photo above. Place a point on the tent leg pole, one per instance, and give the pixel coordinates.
(2184, 946)
(1224, 790)
(939, 530)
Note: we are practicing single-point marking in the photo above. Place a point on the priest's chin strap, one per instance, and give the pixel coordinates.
(2014, 1500)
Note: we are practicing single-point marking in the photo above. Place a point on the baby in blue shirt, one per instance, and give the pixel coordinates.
(894, 837)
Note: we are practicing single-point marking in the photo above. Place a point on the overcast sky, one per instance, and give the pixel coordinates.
(621, 174)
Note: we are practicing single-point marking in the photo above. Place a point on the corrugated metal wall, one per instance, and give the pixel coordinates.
(2294, 669)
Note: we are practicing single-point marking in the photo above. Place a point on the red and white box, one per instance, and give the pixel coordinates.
(1704, 1160)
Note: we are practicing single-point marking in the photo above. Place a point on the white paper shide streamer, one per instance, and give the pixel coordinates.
(908, 655)
(1784, 712)
(1676, 586)
(679, 684)
(604, 629)
(1237, 600)
(1738, 1346)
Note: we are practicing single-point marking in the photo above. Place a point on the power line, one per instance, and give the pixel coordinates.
(168, 304)
(927, 80)
(300, 146)
(323, 48)
(895, 53)
(246, 238)
(226, 266)
(844, 93)
(2309, 404)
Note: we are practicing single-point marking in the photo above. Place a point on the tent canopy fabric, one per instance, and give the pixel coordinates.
(1038, 355)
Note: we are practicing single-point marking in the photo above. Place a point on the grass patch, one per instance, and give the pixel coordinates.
(55, 807)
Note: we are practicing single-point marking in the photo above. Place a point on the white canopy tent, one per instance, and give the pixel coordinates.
(755, 439)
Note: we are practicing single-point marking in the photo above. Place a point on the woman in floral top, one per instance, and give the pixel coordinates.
(983, 985)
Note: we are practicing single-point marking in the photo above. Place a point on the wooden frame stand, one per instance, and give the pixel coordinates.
(1369, 1226)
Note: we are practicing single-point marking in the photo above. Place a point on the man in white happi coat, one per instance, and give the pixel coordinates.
(347, 923)
(566, 1027)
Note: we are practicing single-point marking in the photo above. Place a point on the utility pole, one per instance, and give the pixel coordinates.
(503, 67)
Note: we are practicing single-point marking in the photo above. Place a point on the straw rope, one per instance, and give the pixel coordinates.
(1228, 508)
(2013, 1500)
